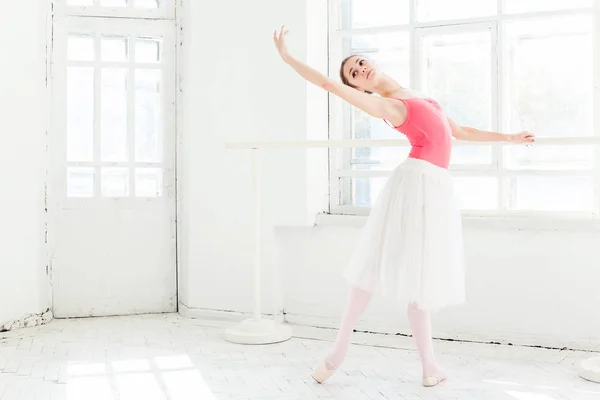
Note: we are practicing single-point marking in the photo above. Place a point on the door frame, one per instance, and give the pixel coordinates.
(55, 193)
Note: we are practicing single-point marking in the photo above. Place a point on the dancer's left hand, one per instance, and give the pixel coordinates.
(522, 137)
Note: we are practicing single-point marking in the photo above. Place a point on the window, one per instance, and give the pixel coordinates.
(113, 94)
(503, 65)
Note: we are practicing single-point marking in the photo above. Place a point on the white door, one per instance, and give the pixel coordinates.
(111, 186)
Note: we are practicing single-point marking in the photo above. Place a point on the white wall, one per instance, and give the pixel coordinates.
(22, 158)
(523, 285)
(235, 88)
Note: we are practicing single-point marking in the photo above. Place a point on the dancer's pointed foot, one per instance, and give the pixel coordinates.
(431, 381)
(322, 372)
(433, 375)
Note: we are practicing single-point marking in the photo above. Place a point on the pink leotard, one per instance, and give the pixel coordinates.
(428, 131)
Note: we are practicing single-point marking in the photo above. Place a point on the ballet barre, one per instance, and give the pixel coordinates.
(393, 142)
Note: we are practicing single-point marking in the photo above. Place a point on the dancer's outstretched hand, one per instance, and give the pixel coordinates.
(522, 137)
(279, 40)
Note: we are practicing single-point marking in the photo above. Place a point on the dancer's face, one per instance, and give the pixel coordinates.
(361, 73)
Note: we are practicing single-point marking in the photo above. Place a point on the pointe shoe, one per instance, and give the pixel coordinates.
(321, 372)
(432, 381)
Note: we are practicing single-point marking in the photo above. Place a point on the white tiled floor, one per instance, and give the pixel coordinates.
(168, 356)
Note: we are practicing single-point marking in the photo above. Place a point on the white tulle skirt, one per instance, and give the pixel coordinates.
(411, 246)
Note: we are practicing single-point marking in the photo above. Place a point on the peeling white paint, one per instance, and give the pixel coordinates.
(28, 321)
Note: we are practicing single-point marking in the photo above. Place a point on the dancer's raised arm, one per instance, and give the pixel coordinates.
(389, 109)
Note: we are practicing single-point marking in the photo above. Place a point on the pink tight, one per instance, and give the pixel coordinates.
(420, 324)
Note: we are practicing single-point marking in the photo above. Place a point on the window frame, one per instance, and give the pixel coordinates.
(164, 28)
(340, 159)
(165, 10)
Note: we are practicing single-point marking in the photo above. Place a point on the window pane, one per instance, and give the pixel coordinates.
(115, 182)
(520, 6)
(147, 51)
(433, 10)
(549, 72)
(363, 192)
(80, 114)
(80, 48)
(114, 49)
(80, 182)
(358, 14)
(457, 73)
(575, 157)
(378, 158)
(552, 193)
(113, 3)
(476, 193)
(114, 114)
(471, 155)
(146, 3)
(148, 116)
(148, 182)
